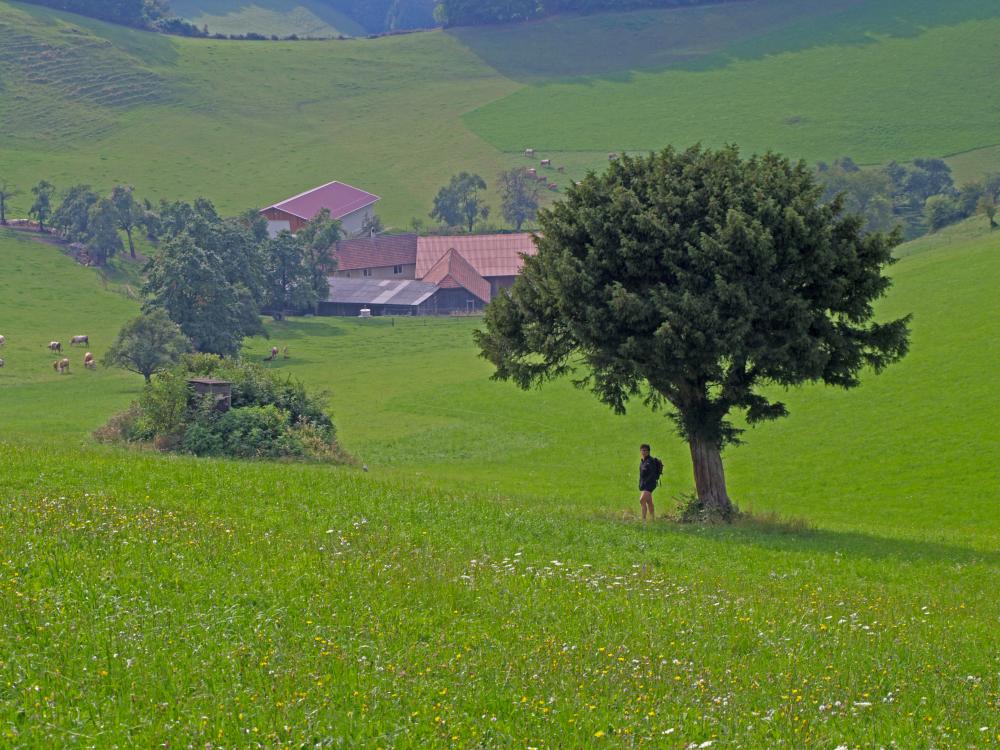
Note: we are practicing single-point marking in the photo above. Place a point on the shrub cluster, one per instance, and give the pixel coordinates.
(270, 417)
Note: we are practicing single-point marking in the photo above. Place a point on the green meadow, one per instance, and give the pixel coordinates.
(249, 123)
(280, 17)
(486, 582)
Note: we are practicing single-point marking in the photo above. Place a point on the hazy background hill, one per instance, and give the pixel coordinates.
(248, 123)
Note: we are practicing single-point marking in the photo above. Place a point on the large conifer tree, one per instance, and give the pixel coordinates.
(695, 280)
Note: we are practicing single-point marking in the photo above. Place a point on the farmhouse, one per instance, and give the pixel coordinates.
(351, 206)
(495, 257)
(382, 256)
(465, 270)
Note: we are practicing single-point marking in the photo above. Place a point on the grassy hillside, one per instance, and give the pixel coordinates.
(867, 100)
(485, 583)
(249, 123)
(281, 17)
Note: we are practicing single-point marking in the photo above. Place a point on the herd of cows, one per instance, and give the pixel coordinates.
(62, 365)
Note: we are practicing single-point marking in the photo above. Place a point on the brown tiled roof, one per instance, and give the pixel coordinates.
(488, 254)
(377, 252)
(340, 198)
(452, 271)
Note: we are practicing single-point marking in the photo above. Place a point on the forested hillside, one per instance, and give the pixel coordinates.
(246, 16)
(477, 12)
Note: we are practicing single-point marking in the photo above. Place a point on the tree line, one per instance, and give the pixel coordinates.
(211, 275)
(153, 15)
(461, 203)
(481, 12)
(918, 197)
(375, 16)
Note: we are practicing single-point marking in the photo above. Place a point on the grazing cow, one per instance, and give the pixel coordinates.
(274, 354)
(529, 152)
(612, 156)
(89, 362)
(55, 346)
(533, 172)
(285, 353)
(553, 186)
(61, 365)
(546, 162)
(82, 339)
(3, 340)
(1, 363)
(560, 169)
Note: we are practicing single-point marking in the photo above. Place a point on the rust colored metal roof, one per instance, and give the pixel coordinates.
(377, 252)
(339, 198)
(453, 271)
(488, 254)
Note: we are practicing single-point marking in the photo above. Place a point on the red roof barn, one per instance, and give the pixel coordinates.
(351, 206)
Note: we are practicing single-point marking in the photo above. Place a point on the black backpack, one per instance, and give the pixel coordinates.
(657, 469)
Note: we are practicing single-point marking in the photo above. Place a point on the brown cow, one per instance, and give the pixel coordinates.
(55, 346)
(285, 353)
(61, 365)
(546, 162)
(89, 362)
(274, 354)
(81, 339)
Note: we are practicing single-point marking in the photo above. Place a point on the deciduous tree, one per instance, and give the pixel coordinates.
(103, 241)
(519, 195)
(41, 209)
(7, 191)
(149, 343)
(288, 279)
(72, 217)
(128, 212)
(695, 280)
(459, 202)
(191, 283)
(318, 238)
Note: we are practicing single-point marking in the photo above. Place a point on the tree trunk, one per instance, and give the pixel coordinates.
(131, 245)
(710, 478)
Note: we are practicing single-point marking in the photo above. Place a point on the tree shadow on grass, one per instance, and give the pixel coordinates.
(776, 535)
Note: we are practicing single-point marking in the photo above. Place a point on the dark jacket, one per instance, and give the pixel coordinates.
(647, 474)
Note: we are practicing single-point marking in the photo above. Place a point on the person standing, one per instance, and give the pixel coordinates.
(650, 469)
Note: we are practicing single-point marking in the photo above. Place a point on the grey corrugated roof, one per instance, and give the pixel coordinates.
(379, 291)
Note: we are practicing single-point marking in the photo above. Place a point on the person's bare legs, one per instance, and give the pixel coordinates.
(646, 499)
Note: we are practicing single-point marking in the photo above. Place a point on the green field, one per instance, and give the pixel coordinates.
(486, 583)
(281, 17)
(248, 123)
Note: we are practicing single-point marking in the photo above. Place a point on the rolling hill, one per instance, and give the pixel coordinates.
(248, 123)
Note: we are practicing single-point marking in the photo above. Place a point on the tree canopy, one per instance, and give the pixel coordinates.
(207, 277)
(519, 196)
(147, 344)
(459, 203)
(694, 280)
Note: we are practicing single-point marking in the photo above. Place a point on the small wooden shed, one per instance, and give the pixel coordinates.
(221, 390)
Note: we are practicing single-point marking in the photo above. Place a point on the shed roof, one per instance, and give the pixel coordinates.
(488, 254)
(379, 291)
(341, 199)
(378, 251)
(453, 271)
